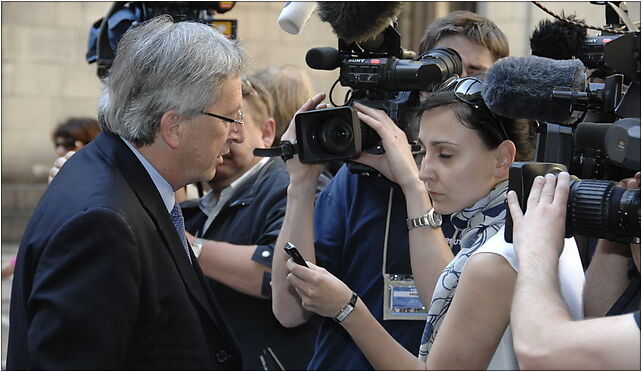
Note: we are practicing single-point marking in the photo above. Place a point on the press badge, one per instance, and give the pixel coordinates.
(401, 300)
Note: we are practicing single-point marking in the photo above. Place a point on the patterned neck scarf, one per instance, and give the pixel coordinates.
(475, 225)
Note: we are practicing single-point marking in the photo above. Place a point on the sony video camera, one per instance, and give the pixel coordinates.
(600, 147)
(105, 33)
(385, 78)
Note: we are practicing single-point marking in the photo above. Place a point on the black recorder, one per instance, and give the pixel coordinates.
(291, 250)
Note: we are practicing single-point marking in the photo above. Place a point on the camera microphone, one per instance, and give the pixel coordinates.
(294, 16)
(558, 39)
(521, 87)
(324, 58)
(356, 21)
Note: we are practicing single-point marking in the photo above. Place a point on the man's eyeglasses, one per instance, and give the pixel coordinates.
(469, 90)
(238, 120)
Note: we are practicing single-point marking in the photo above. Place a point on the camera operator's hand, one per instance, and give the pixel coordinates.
(297, 170)
(320, 291)
(397, 163)
(631, 183)
(541, 229)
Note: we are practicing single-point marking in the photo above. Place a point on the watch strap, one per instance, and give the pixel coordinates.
(347, 309)
(427, 219)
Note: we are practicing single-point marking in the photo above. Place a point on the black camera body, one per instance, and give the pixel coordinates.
(328, 134)
(595, 208)
(106, 32)
(336, 133)
(383, 77)
(601, 147)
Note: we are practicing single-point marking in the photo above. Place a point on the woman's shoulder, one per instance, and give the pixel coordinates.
(497, 245)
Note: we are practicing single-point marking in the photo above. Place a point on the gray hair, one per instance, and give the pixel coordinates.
(162, 66)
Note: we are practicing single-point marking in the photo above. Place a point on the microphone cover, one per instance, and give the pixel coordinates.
(521, 87)
(357, 20)
(294, 16)
(323, 58)
(558, 39)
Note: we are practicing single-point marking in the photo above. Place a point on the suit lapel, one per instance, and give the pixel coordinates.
(142, 184)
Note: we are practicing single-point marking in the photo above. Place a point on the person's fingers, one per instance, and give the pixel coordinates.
(321, 106)
(305, 273)
(299, 284)
(634, 183)
(68, 155)
(376, 119)
(536, 190)
(548, 191)
(561, 189)
(513, 205)
(312, 102)
(369, 110)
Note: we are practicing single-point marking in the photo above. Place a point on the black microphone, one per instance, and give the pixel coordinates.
(521, 87)
(324, 58)
(558, 39)
(357, 21)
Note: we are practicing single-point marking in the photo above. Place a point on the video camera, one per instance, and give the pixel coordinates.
(600, 147)
(379, 73)
(383, 78)
(105, 33)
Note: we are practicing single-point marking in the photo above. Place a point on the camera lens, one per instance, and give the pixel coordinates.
(336, 135)
(599, 209)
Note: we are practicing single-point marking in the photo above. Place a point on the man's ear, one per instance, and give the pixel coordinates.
(268, 132)
(505, 156)
(169, 128)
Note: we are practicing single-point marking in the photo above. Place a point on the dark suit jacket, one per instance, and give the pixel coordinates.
(102, 280)
(254, 215)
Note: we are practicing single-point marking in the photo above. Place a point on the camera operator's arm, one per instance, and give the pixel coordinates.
(297, 228)
(544, 334)
(429, 253)
(606, 277)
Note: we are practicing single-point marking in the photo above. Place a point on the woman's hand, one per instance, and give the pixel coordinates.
(297, 170)
(397, 163)
(542, 228)
(320, 291)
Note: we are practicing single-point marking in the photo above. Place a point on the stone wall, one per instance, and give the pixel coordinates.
(45, 78)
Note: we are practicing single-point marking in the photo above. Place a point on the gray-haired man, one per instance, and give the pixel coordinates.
(104, 277)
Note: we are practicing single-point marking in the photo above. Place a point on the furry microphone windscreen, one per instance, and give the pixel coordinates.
(558, 39)
(520, 87)
(356, 20)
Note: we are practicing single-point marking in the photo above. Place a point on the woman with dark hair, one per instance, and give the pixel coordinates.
(74, 133)
(468, 151)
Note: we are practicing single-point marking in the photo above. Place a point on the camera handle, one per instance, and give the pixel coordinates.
(286, 150)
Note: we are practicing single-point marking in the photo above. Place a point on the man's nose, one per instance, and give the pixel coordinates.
(236, 133)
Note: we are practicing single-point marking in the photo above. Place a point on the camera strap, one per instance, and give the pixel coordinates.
(401, 300)
(286, 150)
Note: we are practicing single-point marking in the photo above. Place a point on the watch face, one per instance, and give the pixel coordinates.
(437, 218)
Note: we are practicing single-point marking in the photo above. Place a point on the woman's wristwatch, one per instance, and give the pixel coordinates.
(346, 310)
(431, 218)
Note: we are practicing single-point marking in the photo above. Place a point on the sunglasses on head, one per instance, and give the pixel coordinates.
(469, 90)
